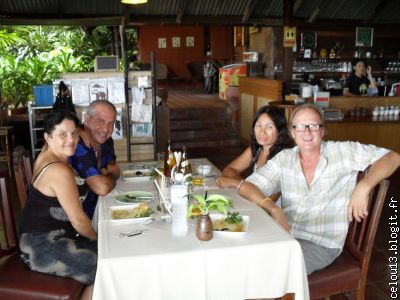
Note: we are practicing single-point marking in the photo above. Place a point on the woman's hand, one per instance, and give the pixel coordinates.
(226, 182)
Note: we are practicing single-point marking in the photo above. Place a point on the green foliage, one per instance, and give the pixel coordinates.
(34, 55)
(205, 205)
(234, 218)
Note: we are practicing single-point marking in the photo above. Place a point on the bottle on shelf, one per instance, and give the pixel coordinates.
(170, 161)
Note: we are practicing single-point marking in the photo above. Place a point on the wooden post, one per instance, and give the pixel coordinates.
(126, 73)
(288, 64)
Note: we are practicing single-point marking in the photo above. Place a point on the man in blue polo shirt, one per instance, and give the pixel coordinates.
(95, 161)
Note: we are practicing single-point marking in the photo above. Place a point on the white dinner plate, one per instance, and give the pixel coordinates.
(246, 220)
(137, 175)
(126, 208)
(129, 197)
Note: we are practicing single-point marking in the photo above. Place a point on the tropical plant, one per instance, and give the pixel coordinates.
(35, 55)
(204, 205)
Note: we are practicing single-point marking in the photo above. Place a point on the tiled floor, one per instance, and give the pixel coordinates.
(379, 271)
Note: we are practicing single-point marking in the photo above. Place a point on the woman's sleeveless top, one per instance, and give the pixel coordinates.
(44, 213)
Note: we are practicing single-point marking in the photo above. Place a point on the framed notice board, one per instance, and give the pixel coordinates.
(364, 36)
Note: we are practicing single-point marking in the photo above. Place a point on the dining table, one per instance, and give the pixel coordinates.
(263, 262)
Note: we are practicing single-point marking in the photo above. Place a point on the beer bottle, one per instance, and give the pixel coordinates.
(170, 161)
(185, 167)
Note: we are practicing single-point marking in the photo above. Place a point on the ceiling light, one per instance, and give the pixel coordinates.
(134, 1)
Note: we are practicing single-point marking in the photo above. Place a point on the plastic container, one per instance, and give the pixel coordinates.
(179, 202)
(43, 95)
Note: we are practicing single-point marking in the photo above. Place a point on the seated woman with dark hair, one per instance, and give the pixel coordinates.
(270, 136)
(56, 236)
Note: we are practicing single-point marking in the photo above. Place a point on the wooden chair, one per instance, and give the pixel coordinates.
(162, 74)
(348, 273)
(22, 173)
(17, 281)
(196, 73)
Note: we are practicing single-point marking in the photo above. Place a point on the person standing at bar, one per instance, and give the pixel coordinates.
(360, 81)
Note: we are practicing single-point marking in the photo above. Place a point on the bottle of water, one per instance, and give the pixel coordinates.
(179, 200)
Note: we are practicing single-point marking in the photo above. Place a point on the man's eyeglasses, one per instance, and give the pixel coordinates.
(312, 127)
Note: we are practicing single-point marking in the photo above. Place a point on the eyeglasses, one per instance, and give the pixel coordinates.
(302, 127)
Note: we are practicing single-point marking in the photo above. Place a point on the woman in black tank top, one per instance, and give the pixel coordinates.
(56, 236)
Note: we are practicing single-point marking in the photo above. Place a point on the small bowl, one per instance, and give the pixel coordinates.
(203, 169)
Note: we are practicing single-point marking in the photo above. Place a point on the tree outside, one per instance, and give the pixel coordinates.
(35, 55)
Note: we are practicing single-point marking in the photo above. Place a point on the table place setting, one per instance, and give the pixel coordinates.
(164, 248)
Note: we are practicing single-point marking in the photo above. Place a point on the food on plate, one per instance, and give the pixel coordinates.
(233, 222)
(141, 211)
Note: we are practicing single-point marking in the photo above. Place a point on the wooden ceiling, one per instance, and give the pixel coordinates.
(229, 12)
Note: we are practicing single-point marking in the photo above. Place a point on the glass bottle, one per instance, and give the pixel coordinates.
(170, 161)
(185, 166)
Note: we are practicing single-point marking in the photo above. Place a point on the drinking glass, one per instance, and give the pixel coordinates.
(197, 178)
(165, 195)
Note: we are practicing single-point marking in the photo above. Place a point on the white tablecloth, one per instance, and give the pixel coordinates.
(265, 262)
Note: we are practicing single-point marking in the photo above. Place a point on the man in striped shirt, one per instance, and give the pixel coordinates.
(317, 180)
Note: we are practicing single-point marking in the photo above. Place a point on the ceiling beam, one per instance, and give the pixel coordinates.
(63, 22)
(211, 20)
(179, 16)
(315, 13)
(181, 11)
(296, 6)
(378, 9)
(251, 5)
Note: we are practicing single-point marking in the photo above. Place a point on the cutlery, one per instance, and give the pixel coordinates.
(130, 233)
(139, 197)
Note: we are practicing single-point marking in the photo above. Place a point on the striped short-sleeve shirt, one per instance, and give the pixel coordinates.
(318, 212)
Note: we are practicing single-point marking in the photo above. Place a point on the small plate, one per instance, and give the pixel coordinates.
(143, 165)
(216, 217)
(127, 198)
(137, 174)
(125, 213)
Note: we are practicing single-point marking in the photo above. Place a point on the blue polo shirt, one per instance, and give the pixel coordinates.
(84, 162)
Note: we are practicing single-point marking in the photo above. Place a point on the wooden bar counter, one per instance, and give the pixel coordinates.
(382, 131)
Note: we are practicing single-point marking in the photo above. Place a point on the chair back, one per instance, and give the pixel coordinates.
(17, 281)
(8, 241)
(361, 235)
(22, 172)
(348, 273)
(161, 71)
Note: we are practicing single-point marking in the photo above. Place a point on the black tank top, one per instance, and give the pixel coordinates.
(43, 213)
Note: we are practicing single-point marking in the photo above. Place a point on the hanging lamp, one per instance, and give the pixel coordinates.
(134, 1)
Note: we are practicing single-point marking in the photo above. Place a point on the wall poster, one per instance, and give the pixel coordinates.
(364, 36)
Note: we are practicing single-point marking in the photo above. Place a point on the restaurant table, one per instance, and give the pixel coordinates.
(264, 262)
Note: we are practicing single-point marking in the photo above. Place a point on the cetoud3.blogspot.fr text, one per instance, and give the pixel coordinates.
(393, 248)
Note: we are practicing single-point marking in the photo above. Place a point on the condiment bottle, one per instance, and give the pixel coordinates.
(170, 161)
